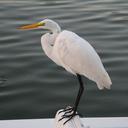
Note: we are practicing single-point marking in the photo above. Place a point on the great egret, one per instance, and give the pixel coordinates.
(73, 53)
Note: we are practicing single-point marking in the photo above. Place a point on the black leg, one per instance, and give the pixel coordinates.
(74, 109)
(81, 89)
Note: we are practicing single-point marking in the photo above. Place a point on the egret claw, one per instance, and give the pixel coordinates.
(69, 116)
(68, 109)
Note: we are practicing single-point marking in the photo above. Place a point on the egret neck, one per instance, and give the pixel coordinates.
(48, 41)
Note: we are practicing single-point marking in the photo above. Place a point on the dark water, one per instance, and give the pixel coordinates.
(32, 86)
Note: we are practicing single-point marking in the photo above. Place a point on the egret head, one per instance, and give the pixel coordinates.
(44, 24)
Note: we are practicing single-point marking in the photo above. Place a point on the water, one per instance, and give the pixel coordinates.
(32, 86)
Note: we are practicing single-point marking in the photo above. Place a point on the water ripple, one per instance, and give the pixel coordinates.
(34, 80)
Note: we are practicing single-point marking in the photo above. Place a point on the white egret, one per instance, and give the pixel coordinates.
(73, 53)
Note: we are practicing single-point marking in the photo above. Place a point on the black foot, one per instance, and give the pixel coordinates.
(68, 113)
(67, 110)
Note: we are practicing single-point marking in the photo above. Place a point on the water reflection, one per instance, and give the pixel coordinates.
(35, 86)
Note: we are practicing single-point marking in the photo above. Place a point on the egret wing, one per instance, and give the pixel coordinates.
(75, 53)
(78, 57)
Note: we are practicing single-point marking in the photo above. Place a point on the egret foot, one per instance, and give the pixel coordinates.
(69, 113)
(68, 109)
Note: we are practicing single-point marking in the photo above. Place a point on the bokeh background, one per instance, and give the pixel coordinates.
(32, 86)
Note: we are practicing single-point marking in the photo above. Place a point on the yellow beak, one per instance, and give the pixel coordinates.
(32, 26)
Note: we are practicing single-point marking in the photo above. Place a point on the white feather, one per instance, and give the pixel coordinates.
(76, 55)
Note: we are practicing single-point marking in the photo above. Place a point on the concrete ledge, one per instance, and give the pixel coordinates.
(112, 122)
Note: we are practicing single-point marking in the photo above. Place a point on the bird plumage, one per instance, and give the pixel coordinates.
(76, 55)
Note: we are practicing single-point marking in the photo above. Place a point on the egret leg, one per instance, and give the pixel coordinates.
(73, 110)
(81, 89)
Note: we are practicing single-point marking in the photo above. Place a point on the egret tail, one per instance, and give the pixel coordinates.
(104, 82)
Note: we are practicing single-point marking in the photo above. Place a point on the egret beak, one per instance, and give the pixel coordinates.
(32, 26)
